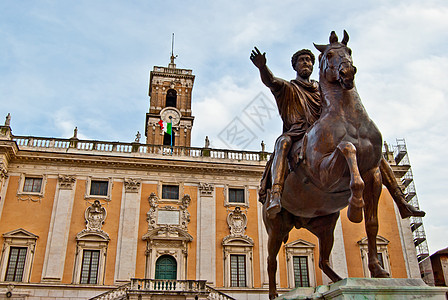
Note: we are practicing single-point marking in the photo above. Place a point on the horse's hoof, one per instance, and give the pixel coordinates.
(354, 214)
(381, 274)
(378, 272)
(273, 296)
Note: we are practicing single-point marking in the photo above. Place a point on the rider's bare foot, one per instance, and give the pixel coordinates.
(407, 210)
(274, 205)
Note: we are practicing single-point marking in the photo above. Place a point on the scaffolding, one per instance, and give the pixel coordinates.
(404, 172)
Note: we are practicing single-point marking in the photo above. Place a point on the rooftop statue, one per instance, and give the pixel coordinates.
(329, 156)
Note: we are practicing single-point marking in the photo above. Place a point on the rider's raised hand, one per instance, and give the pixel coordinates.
(257, 58)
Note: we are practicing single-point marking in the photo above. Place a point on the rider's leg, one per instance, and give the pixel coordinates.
(278, 173)
(405, 209)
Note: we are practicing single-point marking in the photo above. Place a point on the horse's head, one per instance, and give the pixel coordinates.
(335, 61)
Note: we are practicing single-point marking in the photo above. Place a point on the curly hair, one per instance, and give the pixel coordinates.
(296, 55)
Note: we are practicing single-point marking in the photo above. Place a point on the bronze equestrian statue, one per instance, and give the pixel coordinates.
(334, 153)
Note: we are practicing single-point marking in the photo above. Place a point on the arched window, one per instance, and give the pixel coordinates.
(166, 268)
(171, 98)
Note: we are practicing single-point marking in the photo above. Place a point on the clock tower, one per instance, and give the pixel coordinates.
(170, 91)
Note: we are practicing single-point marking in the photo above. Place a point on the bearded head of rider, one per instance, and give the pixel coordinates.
(302, 61)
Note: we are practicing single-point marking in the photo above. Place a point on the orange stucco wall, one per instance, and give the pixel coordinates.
(388, 228)
(192, 229)
(110, 227)
(32, 216)
(221, 231)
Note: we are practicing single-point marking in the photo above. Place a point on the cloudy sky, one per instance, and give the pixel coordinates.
(86, 64)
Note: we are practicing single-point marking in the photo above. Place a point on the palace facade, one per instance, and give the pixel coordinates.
(83, 219)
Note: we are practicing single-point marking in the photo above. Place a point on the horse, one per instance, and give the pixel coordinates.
(338, 167)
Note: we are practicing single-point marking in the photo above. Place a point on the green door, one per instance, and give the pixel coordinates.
(166, 267)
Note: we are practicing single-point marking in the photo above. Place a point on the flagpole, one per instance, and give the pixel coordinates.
(171, 135)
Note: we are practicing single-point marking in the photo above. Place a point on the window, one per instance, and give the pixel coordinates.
(380, 258)
(170, 192)
(166, 268)
(32, 185)
(17, 255)
(301, 278)
(90, 260)
(171, 98)
(89, 269)
(16, 264)
(99, 188)
(300, 264)
(382, 254)
(236, 195)
(237, 270)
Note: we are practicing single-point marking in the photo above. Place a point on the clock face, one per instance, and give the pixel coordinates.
(170, 115)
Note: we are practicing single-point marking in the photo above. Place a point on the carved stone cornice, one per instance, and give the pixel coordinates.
(66, 182)
(132, 185)
(188, 165)
(206, 189)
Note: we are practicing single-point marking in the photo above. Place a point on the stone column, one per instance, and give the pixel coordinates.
(128, 231)
(206, 253)
(59, 229)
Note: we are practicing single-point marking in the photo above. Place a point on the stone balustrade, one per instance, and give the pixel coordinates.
(102, 147)
(163, 286)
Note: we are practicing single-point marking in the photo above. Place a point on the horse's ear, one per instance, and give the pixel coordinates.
(321, 48)
(345, 39)
(333, 37)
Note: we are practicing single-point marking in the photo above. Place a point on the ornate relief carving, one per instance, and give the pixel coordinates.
(185, 215)
(95, 216)
(66, 182)
(132, 185)
(237, 222)
(3, 171)
(206, 189)
(151, 215)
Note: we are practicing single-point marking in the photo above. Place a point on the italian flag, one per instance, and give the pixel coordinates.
(166, 127)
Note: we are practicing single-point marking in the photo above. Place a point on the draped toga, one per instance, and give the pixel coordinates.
(299, 106)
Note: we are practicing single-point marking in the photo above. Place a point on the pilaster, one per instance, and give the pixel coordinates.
(206, 256)
(59, 229)
(128, 231)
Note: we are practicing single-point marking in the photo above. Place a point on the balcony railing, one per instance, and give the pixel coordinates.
(163, 286)
(56, 144)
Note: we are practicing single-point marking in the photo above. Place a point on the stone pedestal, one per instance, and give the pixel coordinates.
(370, 289)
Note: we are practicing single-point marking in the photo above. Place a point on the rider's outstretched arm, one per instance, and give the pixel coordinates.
(259, 60)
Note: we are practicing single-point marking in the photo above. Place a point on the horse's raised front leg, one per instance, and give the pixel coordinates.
(355, 203)
(333, 168)
(323, 228)
(371, 197)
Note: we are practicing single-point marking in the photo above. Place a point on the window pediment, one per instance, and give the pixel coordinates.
(99, 236)
(300, 244)
(168, 232)
(241, 241)
(20, 234)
